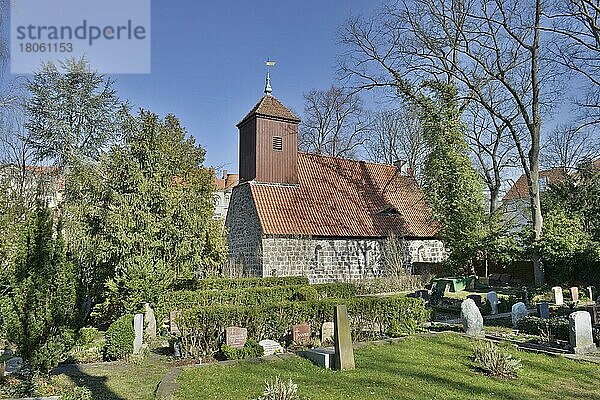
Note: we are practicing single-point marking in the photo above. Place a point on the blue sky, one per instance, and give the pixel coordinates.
(208, 62)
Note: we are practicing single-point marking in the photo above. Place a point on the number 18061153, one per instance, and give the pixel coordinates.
(46, 47)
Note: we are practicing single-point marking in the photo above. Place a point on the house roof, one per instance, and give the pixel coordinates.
(228, 181)
(269, 106)
(344, 198)
(520, 190)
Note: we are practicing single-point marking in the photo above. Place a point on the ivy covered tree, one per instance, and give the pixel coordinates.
(39, 296)
(141, 218)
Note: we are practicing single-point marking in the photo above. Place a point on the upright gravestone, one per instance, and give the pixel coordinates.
(471, 318)
(574, 294)
(524, 294)
(173, 328)
(492, 298)
(270, 347)
(150, 321)
(543, 310)
(236, 337)
(138, 328)
(557, 295)
(591, 292)
(423, 294)
(580, 333)
(518, 311)
(301, 334)
(476, 298)
(327, 332)
(593, 310)
(344, 353)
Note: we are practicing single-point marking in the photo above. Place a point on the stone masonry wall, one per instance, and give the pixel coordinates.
(244, 233)
(337, 259)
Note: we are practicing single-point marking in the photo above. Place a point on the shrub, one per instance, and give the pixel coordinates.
(119, 338)
(557, 328)
(494, 361)
(250, 350)
(203, 328)
(336, 290)
(88, 336)
(400, 283)
(280, 390)
(306, 293)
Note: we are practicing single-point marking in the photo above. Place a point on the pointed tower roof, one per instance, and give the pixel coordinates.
(269, 106)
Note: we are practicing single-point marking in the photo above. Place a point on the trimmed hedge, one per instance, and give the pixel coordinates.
(255, 296)
(242, 283)
(203, 328)
(119, 338)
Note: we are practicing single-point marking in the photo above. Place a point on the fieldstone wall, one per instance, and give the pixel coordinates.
(427, 251)
(244, 233)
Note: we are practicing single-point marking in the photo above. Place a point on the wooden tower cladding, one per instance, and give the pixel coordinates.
(269, 143)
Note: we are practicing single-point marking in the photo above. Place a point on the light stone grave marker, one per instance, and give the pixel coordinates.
(580, 333)
(270, 347)
(471, 318)
(327, 332)
(235, 336)
(150, 321)
(344, 353)
(574, 294)
(591, 292)
(301, 333)
(492, 298)
(543, 310)
(138, 327)
(557, 296)
(518, 311)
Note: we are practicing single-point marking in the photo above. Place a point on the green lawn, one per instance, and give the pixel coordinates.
(416, 368)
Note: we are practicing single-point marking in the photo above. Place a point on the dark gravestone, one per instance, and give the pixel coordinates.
(423, 294)
(301, 334)
(236, 336)
(476, 298)
(344, 353)
(593, 310)
(543, 310)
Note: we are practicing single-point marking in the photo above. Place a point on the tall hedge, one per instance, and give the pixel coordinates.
(203, 328)
(242, 283)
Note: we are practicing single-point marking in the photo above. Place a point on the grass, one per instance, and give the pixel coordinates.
(436, 367)
(115, 381)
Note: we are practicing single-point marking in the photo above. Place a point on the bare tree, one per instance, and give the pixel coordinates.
(477, 44)
(334, 123)
(396, 135)
(569, 145)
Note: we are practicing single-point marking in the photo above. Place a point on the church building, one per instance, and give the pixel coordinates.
(327, 218)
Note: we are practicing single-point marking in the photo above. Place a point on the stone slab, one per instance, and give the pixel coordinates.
(321, 357)
(270, 347)
(344, 353)
(235, 336)
(327, 332)
(301, 333)
(557, 296)
(138, 328)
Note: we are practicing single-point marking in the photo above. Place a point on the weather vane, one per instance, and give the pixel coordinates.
(269, 64)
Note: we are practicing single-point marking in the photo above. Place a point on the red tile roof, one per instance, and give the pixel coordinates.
(344, 198)
(269, 106)
(520, 190)
(227, 182)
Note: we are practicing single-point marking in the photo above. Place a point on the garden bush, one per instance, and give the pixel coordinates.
(119, 338)
(250, 350)
(494, 361)
(203, 328)
(557, 328)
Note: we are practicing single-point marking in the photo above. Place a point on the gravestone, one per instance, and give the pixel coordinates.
(543, 310)
(492, 298)
(344, 353)
(270, 347)
(173, 328)
(235, 336)
(580, 333)
(327, 331)
(14, 365)
(138, 327)
(476, 298)
(557, 296)
(518, 311)
(471, 318)
(524, 294)
(321, 357)
(301, 333)
(574, 294)
(593, 310)
(423, 294)
(591, 292)
(150, 321)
